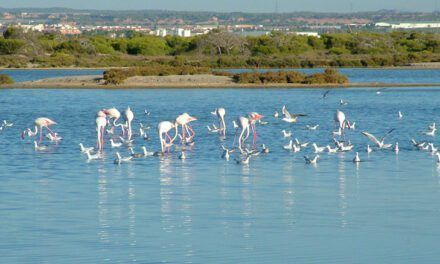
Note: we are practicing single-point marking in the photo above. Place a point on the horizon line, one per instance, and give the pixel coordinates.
(222, 12)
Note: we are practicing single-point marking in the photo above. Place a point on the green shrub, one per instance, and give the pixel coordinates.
(294, 77)
(6, 79)
(10, 46)
(329, 76)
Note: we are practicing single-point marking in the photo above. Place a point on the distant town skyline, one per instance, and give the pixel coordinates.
(234, 5)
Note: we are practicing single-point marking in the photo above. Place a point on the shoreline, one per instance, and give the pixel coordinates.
(428, 66)
(214, 86)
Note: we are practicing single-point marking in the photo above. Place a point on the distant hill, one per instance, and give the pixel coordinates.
(170, 17)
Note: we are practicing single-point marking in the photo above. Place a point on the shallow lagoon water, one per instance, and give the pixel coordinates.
(55, 207)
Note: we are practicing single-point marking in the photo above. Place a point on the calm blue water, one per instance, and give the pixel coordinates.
(57, 208)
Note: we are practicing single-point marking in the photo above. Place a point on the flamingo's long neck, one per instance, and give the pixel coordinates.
(175, 134)
(240, 138)
(161, 141)
(99, 138)
(129, 130)
(223, 124)
(116, 125)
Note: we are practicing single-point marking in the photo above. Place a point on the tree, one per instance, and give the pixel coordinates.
(220, 42)
(10, 46)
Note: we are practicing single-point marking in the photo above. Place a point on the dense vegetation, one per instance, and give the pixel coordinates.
(219, 50)
(330, 76)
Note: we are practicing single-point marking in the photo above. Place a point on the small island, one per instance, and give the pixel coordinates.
(187, 76)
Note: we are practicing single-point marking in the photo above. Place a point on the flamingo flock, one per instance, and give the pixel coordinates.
(178, 136)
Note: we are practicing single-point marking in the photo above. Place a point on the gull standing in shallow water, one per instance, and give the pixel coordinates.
(84, 149)
(93, 156)
(288, 146)
(39, 147)
(356, 158)
(286, 134)
(312, 127)
(118, 160)
(311, 161)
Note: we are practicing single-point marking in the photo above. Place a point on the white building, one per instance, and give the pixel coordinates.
(382, 24)
(415, 25)
(161, 32)
(408, 25)
(308, 34)
(181, 32)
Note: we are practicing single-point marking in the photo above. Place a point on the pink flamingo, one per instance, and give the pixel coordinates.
(101, 122)
(163, 128)
(39, 124)
(243, 123)
(183, 120)
(113, 114)
(129, 116)
(220, 113)
(253, 118)
(340, 121)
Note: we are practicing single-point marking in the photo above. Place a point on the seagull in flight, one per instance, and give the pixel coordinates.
(379, 143)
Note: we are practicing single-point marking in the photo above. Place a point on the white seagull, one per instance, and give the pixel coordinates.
(379, 143)
(356, 158)
(311, 161)
(286, 134)
(118, 160)
(288, 117)
(288, 146)
(115, 144)
(317, 149)
(83, 149)
(312, 127)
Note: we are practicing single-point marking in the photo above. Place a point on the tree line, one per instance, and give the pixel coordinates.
(218, 49)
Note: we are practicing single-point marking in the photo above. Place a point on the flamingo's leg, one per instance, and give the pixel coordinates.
(192, 131)
(183, 133)
(41, 135)
(168, 136)
(102, 139)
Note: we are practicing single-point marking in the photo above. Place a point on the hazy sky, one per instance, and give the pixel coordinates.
(234, 5)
